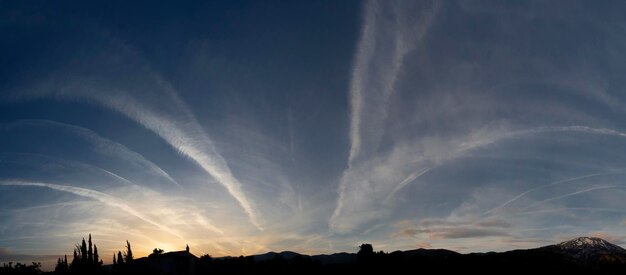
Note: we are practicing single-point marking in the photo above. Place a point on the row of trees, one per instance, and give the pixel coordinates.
(127, 257)
(20, 268)
(87, 260)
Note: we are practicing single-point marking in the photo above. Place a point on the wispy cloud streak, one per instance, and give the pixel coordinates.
(569, 195)
(372, 180)
(96, 195)
(413, 176)
(189, 139)
(165, 114)
(539, 188)
(391, 30)
(379, 57)
(100, 144)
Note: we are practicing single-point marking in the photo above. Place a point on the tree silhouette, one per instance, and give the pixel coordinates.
(86, 259)
(365, 250)
(76, 260)
(366, 253)
(114, 260)
(61, 267)
(129, 253)
(83, 252)
(90, 253)
(120, 259)
(19, 268)
(96, 258)
(157, 251)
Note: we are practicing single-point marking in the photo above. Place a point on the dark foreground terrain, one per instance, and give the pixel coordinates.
(578, 256)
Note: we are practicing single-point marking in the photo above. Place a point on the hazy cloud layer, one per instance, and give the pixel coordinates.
(311, 126)
(458, 98)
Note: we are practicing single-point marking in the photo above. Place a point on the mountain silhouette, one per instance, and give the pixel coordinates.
(585, 251)
(287, 255)
(588, 255)
(583, 255)
(590, 249)
(581, 249)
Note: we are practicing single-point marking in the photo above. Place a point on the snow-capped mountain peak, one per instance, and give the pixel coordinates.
(587, 243)
(587, 248)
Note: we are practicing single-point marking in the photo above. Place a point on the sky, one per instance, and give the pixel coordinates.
(241, 127)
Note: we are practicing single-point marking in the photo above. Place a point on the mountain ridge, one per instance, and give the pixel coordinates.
(583, 255)
(581, 249)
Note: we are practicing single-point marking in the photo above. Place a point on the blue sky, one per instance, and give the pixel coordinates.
(240, 127)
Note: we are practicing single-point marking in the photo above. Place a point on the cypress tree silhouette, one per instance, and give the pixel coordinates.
(114, 260)
(83, 253)
(90, 261)
(120, 259)
(86, 259)
(76, 260)
(96, 259)
(128, 253)
(61, 267)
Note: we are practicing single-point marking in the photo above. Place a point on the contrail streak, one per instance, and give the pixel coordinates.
(382, 47)
(614, 210)
(166, 115)
(387, 42)
(575, 128)
(481, 141)
(99, 196)
(190, 141)
(569, 195)
(406, 181)
(64, 162)
(149, 193)
(364, 52)
(100, 144)
(541, 187)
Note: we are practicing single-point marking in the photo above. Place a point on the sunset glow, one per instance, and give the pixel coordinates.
(242, 127)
